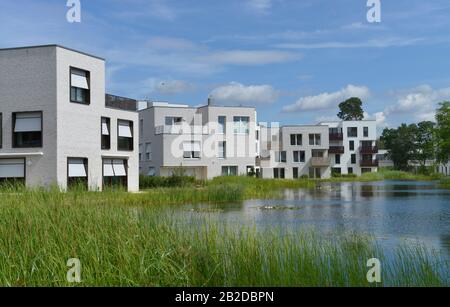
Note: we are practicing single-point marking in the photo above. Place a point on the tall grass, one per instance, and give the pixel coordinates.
(122, 241)
(384, 174)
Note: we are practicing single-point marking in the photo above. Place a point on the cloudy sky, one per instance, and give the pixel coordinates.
(294, 60)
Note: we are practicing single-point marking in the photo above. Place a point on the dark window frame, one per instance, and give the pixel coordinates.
(350, 131)
(20, 180)
(88, 92)
(131, 123)
(106, 146)
(366, 132)
(296, 139)
(14, 141)
(109, 183)
(77, 180)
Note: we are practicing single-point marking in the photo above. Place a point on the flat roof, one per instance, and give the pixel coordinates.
(343, 121)
(52, 46)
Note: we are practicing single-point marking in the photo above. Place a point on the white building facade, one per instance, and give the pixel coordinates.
(204, 142)
(55, 128)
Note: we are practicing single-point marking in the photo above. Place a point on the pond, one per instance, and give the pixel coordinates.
(392, 212)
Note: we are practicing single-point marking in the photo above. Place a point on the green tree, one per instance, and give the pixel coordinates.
(351, 109)
(424, 141)
(443, 131)
(400, 144)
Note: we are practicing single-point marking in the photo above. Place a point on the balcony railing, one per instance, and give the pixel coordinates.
(368, 149)
(319, 162)
(336, 150)
(336, 136)
(369, 163)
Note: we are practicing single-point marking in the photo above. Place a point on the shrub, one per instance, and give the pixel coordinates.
(147, 182)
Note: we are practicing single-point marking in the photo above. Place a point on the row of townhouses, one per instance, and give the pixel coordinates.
(59, 127)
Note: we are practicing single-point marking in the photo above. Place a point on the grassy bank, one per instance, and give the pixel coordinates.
(121, 240)
(383, 174)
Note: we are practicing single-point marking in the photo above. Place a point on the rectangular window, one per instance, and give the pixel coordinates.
(337, 159)
(352, 132)
(296, 140)
(115, 173)
(352, 145)
(350, 170)
(12, 170)
(77, 170)
(106, 133)
(279, 173)
(366, 132)
(229, 170)
(79, 86)
(299, 156)
(191, 150)
(314, 139)
(241, 124)
(353, 158)
(125, 135)
(172, 121)
(221, 125)
(27, 129)
(295, 173)
(148, 151)
(222, 150)
(280, 156)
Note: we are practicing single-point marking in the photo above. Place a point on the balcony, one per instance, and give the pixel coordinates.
(336, 136)
(336, 150)
(369, 163)
(368, 149)
(320, 162)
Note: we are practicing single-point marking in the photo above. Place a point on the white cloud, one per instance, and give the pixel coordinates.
(250, 57)
(235, 92)
(328, 100)
(372, 43)
(260, 5)
(379, 117)
(421, 102)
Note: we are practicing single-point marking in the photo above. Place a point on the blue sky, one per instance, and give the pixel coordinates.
(294, 60)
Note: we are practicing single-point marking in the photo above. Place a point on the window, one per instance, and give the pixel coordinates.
(336, 171)
(125, 135)
(77, 170)
(229, 170)
(222, 150)
(366, 132)
(337, 159)
(172, 121)
(280, 156)
(353, 158)
(27, 129)
(221, 124)
(141, 148)
(79, 86)
(278, 173)
(241, 124)
(191, 150)
(352, 145)
(295, 173)
(296, 139)
(350, 170)
(335, 131)
(352, 132)
(115, 173)
(106, 133)
(12, 170)
(314, 139)
(148, 151)
(299, 156)
(314, 173)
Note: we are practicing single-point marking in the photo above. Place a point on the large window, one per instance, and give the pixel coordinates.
(353, 158)
(115, 173)
(279, 173)
(337, 159)
(222, 128)
(229, 170)
(125, 135)
(191, 150)
(172, 121)
(241, 124)
(222, 150)
(352, 132)
(352, 145)
(12, 170)
(295, 173)
(27, 129)
(299, 156)
(366, 132)
(80, 86)
(296, 139)
(148, 151)
(106, 133)
(314, 139)
(280, 156)
(77, 170)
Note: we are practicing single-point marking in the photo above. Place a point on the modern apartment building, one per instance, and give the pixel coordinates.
(353, 147)
(294, 151)
(54, 125)
(204, 142)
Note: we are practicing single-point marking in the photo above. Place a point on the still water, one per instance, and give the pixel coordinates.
(391, 211)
